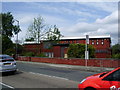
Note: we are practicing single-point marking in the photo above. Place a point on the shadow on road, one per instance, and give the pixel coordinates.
(10, 73)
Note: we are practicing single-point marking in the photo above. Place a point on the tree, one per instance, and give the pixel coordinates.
(78, 51)
(7, 30)
(54, 34)
(29, 39)
(116, 51)
(37, 29)
(7, 26)
(7, 45)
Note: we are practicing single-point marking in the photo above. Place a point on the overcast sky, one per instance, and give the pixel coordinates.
(72, 18)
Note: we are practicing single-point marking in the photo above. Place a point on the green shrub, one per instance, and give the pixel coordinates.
(41, 55)
(29, 54)
(117, 56)
(78, 51)
(9, 51)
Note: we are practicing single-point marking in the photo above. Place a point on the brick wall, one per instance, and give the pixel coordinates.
(81, 62)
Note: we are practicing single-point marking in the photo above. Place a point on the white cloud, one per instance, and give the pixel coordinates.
(54, 20)
(103, 5)
(60, 0)
(25, 18)
(63, 10)
(113, 18)
(105, 26)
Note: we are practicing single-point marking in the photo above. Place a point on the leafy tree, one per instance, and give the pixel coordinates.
(117, 56)
(116, 51)
(78, 51)
(37, 29)
(7, 26)
(7, 30)
(54, 34)
(7, 45)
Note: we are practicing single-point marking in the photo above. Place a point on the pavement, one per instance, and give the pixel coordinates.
(83, 68)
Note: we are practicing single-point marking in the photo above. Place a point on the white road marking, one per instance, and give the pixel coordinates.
(49, 76)
(7, 85)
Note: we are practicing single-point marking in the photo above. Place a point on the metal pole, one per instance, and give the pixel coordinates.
(17, 40)
(86, 50)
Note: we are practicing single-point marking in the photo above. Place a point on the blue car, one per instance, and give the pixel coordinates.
(7, 64)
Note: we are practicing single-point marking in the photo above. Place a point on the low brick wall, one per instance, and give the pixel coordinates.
(82, 62)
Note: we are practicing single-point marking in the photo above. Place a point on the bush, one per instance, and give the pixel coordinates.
(41, 55)
(29, 54)
(78, 51)
(117, 56)
(9, 51)
(116, 51)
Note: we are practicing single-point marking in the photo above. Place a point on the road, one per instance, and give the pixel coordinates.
(33, 75)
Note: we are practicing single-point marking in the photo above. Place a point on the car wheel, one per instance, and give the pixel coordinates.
(90, 88)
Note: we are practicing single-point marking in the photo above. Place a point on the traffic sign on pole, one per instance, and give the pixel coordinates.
(86, 48)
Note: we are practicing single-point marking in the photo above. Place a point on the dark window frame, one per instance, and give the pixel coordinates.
(111, 76)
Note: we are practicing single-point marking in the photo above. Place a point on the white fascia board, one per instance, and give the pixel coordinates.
(84, 37)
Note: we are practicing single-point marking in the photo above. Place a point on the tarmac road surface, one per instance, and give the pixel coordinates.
(31, 75)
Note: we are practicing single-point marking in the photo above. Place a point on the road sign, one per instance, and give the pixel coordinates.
(87, 39)
(86, 48)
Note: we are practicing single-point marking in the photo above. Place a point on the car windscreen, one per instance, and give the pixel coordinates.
(6, 58)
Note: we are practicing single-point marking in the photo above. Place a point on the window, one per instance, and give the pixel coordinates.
(49, 54)
(97, 42)
(47, 45)
(73, 42)
(77, 41)
(102, 42)
(101, 51)
(64, 41)
(115, 76)
(68, 41)
(92, 42)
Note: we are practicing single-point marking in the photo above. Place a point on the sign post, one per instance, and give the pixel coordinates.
(86, 49)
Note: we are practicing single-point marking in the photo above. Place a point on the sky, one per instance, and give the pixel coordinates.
(72, 18)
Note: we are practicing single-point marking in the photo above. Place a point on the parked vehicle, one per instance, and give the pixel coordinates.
(7, 64)
(102, 81)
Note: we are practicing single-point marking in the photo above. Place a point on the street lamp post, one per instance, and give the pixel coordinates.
(16, 56)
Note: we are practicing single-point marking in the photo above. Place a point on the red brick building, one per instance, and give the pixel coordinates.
(102, 45)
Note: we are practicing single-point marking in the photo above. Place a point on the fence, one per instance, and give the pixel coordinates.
(110, 63)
